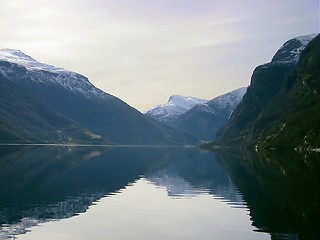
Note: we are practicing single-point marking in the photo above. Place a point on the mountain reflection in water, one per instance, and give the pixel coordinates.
(282, 191)
(48, 183)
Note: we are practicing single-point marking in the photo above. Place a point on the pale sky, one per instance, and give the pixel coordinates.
(143, 51)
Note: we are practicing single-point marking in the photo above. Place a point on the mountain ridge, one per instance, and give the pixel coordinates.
(70, 80)
(204, 120)
(73, 100)
(175, 106)
(263, 115)
(198, 117)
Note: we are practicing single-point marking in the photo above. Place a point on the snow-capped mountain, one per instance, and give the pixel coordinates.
(228, 100)
(204, 120)
(198, 117)
(48, 74)
(44, 104)
(289, 52)
(18, 57)
(176, 106)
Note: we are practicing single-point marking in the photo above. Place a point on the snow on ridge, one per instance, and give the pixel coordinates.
(18, 57)
(48, 74)
(178, 105)
(166, 109)
(291, 56)
(304, 40)
(185, 101)
(175, 106)
(232, 98)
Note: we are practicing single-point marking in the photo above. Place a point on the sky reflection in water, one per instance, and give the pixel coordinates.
(143, 193)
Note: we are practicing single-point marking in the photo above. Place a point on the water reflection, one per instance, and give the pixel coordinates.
(40, 184)
(282, 191)
(195, 175)
(44, 183)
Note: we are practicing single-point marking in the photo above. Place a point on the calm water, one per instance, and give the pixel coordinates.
(156, 193)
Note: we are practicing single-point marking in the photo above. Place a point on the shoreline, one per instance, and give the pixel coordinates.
(93, 145)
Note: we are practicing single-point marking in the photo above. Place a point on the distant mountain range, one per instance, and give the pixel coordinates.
(198, 117)
(204, 120)
(281, 107)
(40, 103)
(176, 106)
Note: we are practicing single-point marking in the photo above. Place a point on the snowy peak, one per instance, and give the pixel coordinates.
(14, 54)
(175, 106)
(178, 107)
(230, 99)
(225, 102)
(18, 57)
(289, 52)
(47, 74)
(204, 120)
(185, 102)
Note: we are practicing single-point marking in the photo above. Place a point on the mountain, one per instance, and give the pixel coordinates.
(177, 105)
(198, 117)
(40, 103)
(204, 120)
(280, 107)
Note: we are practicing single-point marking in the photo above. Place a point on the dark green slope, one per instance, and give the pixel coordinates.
(280, 108)
(25, 119)
(266, 82)
(292, 118)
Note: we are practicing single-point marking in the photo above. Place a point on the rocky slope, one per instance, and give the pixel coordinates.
(280, 107)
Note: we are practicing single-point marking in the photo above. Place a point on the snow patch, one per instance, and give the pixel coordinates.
(48, 74)
(228, 100)
(176, 106)
(18, 57)
(292, 55)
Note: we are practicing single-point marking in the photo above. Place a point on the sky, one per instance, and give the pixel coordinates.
(143, 51)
